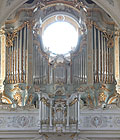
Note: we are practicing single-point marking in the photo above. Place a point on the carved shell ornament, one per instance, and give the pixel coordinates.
(96, 121)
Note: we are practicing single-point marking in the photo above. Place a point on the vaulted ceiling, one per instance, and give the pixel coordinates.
(112, 7)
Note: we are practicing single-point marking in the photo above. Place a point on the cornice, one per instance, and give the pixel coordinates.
(101, 15)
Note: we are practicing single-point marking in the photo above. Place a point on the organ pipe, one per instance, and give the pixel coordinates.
(15, 61)
(103, 60)
(45, 73)
(16, 58)
(79, 60)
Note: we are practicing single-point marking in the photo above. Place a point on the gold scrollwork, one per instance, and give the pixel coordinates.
(6, 97)
(10, 38)
(73, 102)
(16, 87)
(102, 97)
(73, 135)
(45, 101)
(18, 98)
(89, 23)
(2, 31)
(46, 136)
(108, 36)
(30, 99)
(110, 40)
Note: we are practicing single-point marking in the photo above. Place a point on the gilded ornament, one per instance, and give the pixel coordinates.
(112, 99)
(10, 38)
(2, 31)
(73, 135)
(102, 97)
(6, 97)
(18, 97)
(110, 39)
(104, 88)
(30, 99)
(16, 87)
(89, 23)
(73, 102)
(45, 101)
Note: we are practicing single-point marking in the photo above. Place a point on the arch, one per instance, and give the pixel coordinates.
(17, 4)
(12, 7)
(111, 12)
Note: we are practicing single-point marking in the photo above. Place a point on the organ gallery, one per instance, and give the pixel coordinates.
(67, 95)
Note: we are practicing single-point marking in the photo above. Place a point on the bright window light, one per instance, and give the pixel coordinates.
(60, 37)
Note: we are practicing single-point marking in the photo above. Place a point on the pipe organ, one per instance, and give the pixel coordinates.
(58, 85)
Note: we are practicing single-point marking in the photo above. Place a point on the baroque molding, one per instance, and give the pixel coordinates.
(101, 15)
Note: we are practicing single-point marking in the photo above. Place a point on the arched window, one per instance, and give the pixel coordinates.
(60, 37)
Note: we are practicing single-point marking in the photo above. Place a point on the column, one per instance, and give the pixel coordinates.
(89, 53)
(68, 113)
(18, 66)
(13, 56)
(3, 60)
(29, 68)
(20, 55)
(78, 110)
(116, 61)
(40, 109)
(50, 113)
(71, 69)
(24, 46)
(10, 64)
(15, 50)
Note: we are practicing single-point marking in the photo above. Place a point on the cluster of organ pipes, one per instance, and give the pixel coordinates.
(17, 58)
(72, 72)
(103, 57)
(40, 67)
(46, 73)
(54, 112)
(61, 72)
(79, 73)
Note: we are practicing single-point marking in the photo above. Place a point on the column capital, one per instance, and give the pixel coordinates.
(89, 23)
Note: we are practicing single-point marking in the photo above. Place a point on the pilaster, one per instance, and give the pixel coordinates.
(89, 53)
(29, 72)
(3, 60)
(116, 61)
